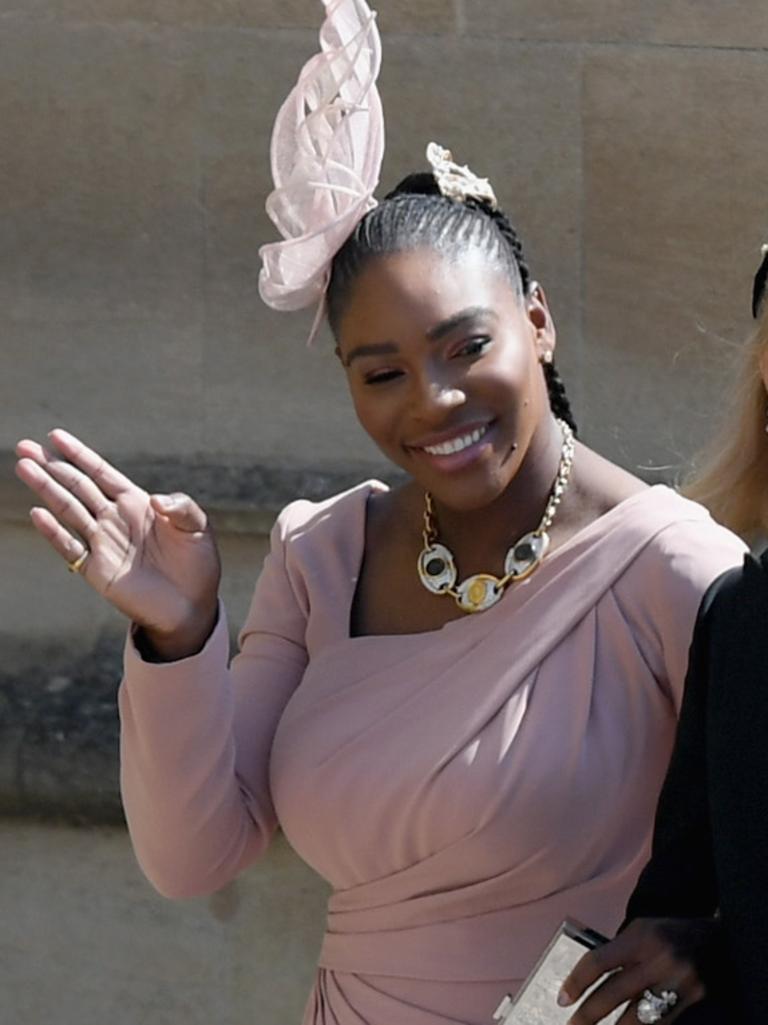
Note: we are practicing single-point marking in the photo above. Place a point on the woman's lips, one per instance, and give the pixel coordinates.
(458, 449)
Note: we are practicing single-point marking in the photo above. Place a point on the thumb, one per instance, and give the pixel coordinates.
(181, 511)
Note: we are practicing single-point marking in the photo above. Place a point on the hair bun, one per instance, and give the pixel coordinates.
(421, 183)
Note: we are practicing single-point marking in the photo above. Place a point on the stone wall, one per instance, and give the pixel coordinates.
(628, 141)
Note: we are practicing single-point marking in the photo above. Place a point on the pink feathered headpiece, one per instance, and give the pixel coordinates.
(327, 149)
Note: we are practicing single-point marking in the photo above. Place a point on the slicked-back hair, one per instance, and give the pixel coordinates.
(417, 215)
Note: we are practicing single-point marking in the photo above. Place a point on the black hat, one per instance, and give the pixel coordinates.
(758, 288)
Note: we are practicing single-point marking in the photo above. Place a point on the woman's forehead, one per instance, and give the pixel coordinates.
(426, 277)
(422, 290)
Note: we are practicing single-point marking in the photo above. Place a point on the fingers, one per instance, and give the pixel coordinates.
(74, 480)
(181, 512)
(111, 482)
(617, 989)
(591, 967)
(638, 960)
(60, 501)
(68, 547)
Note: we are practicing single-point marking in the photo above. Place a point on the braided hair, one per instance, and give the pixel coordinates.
(417, 210)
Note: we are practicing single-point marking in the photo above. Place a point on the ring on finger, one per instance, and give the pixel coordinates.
(76, 565)
(653, 1007)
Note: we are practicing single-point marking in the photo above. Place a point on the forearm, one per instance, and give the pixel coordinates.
(679, 880)
(193, 825)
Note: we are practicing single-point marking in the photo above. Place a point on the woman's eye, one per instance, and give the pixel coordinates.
(474, 346)
(381, 376)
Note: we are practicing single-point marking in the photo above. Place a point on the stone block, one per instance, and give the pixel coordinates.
(685, 23)
(122, 386)
(674, 158)
(40, 600)
(99, 177)
(427, 16)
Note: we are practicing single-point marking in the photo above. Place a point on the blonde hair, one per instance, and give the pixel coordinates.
(731, 477)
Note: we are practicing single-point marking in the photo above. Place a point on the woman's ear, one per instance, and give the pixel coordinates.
(538, 314)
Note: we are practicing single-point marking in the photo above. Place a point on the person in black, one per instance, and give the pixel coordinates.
(694, 946)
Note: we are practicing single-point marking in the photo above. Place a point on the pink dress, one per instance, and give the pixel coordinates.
(462, 790)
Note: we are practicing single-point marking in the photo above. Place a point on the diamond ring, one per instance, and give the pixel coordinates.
(652, 1008)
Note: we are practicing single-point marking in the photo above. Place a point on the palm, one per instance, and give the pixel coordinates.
(150, 570)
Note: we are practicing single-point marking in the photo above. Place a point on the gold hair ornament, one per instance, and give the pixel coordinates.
(456, 182)
(437, 566)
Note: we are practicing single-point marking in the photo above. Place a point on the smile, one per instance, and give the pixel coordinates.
(449, 448)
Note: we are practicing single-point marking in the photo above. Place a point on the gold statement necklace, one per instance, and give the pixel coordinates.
(437, 566)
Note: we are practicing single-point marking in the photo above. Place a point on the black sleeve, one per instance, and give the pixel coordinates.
(679, 880)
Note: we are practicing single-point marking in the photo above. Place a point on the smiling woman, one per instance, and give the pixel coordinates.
(457, 698)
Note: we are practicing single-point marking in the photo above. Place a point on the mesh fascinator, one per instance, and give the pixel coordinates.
(326, 154)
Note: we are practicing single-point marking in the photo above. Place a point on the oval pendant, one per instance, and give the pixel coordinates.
(437, 569)
(478, 593)
(526, 555)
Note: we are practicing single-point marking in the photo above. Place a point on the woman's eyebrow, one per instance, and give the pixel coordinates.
(374, 349)
(460, 320)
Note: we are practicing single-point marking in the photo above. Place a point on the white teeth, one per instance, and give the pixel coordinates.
(448, 448)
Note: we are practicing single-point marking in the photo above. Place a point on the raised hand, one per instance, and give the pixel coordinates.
(153, 557)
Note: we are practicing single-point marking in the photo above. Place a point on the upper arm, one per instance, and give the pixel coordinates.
(663, 593)
(271, 659)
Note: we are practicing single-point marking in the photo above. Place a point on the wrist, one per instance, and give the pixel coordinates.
(184, 641)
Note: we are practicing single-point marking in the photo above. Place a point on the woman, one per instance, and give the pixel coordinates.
(458, 697)
(711, 837)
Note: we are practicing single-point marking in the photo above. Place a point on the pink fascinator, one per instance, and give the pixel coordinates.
(326, 154)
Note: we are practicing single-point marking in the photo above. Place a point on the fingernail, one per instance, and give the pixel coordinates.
(563, 1000)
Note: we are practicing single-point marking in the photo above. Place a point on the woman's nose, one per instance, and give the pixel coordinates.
(440, 397)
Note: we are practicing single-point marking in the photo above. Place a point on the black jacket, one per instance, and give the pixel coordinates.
(710, 847)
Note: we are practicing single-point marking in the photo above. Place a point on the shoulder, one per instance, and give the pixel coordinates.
(315, 548)
(688, 540)
(336, 514)
(683, 553)
(740, 592)
(661, 590)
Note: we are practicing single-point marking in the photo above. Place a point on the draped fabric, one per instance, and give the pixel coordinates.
(462, 790)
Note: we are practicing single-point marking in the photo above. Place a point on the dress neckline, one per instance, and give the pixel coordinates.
(583, 536)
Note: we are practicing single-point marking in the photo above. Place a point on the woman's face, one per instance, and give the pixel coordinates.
(442, 357)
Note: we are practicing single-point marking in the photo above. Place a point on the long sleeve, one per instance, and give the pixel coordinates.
(680, 878)
(196, 737)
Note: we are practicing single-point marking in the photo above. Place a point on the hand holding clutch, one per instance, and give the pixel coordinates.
(654, 964)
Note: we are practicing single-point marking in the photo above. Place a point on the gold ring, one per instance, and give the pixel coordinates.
(77, 564)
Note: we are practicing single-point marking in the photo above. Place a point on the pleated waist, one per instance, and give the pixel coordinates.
(502, 944)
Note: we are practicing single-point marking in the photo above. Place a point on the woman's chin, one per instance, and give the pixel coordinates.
(464, 492)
